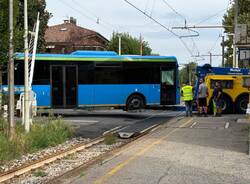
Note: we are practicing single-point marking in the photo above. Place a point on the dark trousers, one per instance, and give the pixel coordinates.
(188, 105)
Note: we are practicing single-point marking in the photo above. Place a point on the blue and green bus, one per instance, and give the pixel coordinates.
(101, 78)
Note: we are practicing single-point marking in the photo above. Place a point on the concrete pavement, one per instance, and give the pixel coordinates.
(186, 151)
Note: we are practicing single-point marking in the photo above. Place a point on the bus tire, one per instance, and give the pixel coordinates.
(241, 103)
(135, 101)
(227, 105)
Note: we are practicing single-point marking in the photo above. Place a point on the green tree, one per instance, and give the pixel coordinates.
(34, 6)
(4, 36)
(129, 44)
(228, 20)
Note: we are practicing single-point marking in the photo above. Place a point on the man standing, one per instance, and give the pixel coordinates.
(187, 94)
(202, 97)
(217, 99)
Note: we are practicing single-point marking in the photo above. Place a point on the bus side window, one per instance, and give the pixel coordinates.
(167, 77)
(226, 84)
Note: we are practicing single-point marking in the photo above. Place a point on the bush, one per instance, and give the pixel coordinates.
(8, 149)
(3, 126)
(47, 134)
(42, 135)
(110, 139)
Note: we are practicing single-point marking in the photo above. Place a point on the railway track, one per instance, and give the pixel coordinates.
(46, 160)
(18, 171)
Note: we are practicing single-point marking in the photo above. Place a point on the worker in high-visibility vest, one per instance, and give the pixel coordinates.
(187, 94)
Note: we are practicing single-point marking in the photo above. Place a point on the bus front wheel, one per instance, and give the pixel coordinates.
(135, 101)
(241, 103)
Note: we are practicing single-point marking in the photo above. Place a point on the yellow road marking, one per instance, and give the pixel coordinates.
(140, 153)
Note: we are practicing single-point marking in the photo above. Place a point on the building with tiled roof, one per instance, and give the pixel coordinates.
(68, 37)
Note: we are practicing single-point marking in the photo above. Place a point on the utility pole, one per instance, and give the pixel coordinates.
(210, 60)
(223, 51)
(11, 74)
(141, 46)
(236, 13)
(120, 44)
(26, 71)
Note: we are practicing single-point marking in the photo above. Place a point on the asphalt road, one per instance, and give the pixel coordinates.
(188, 151)
(95, 123)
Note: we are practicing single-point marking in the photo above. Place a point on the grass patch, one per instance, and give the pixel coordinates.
(43, 134)
(110, 139)
(39, 173)
(50, 133)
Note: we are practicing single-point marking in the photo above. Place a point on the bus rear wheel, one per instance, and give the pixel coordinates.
(241, 103)
(226, 105)
(135, 102)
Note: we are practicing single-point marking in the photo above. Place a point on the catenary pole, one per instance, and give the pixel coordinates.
(141, 45)
(211, 58)
(11, 73)
(223, 51)
(120, 44)
(26, 70)
(236, 13)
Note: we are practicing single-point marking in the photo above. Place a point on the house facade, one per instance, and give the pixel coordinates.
(68, 37)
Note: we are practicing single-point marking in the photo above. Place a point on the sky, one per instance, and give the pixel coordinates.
(108, 16)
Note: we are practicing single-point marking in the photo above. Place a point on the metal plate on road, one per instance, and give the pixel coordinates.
(140, 126)
(126, 135)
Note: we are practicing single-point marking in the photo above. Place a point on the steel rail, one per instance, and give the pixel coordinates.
(46, 160)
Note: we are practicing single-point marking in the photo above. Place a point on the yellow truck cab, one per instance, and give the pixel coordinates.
(235, 97)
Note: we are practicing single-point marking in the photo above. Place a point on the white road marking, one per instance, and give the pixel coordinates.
(227, 125)
(153, 126)
(111, 130)
(192, 126)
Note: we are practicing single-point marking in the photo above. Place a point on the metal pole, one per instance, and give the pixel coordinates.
(202, 27)
(210, 56)
(236, 57)
(223, 51)
(120, 44)
(235, 63)
(234, 54)
(11, 74)
(26, 70)
(141, 46)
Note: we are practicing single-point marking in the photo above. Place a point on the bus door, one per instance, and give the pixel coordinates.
(168, 86)
(64, 86)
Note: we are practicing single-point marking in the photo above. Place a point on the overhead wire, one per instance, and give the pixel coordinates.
(153, 6)
(211, 16)
(191, 35)
(146, 6)
(156, 21)
(214, 44)
(173, 9)
(162, 25)
(83, 14)
(96, 16)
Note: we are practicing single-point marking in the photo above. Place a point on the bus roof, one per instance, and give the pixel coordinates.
(98, 56)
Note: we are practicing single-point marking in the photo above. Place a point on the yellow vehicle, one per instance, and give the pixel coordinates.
(235, 97)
